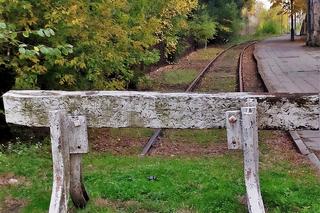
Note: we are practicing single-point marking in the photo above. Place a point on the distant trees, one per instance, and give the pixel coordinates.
(227, 14)
(90, 45)
(202, 26)
(290, 7)
(271, 21)
(79, 44)
(285, 5)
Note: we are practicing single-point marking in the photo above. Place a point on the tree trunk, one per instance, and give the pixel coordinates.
(313, 38)
(292, 27)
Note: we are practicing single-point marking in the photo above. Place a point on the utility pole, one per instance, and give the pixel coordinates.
(292, 27)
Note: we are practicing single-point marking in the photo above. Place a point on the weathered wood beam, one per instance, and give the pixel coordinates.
(61, 163)
(161, 110)
(69, 141)
(251, 160)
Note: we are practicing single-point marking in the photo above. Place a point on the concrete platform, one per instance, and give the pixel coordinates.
(287, 66)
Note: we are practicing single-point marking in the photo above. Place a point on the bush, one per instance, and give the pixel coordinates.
(144, 83)
(269, 27)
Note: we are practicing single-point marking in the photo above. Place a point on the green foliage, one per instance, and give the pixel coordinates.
(180, 76)
(103, 44)
(270, 22)
(144, 83)
(227, 14)
(183, 184)
(269, 27)
(109, 40)
(202, 27)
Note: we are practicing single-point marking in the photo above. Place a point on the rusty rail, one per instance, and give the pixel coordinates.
(153, 139)
(241, 89)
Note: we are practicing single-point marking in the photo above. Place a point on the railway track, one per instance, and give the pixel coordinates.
(240, 66)
(157, 133)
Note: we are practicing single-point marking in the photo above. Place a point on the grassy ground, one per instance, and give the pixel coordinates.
(201, 182)
(245, 38)
(183, 76)
(183, 184)
(177, 77)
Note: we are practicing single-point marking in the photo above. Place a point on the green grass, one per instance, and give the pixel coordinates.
(245, 38)
(205, 54)
(183, 184)
(198, 136)
(134, 133)
(218, 82)
(179, 76)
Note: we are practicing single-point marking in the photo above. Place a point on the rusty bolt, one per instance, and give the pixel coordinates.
(76, 122)
(232, 119)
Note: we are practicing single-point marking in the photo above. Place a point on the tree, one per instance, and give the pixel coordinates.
(290, 7)
(25, 48)
(109, 40)
(202, 26)
(227, 15)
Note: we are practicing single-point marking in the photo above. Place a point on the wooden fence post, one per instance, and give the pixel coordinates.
(61, 163)
(69, 141)
(78, 142)
(251, 159)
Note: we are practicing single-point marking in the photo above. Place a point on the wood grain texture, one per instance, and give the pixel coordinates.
(300, 144)
(61, 163)
(78, 192)
(161, 110)
(77, 134)
(251, 160)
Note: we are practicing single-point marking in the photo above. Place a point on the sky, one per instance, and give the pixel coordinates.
(266, 3)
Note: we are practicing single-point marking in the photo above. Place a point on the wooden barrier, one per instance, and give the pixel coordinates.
(69, 113)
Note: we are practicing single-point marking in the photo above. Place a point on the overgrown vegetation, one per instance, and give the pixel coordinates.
(271, 22)
(103, 44)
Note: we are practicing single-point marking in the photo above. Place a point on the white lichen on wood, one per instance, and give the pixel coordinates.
(160, 110)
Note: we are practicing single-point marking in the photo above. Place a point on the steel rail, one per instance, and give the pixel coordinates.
(153, 139)
(241, 87)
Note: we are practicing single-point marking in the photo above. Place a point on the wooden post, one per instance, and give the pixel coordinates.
(78, 143)
(61, 163)
(252, 105)
(251, 160)
(69, 141)
(78, 192)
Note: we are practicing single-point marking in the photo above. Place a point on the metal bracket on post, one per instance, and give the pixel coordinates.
(69, 141)
(233, 126)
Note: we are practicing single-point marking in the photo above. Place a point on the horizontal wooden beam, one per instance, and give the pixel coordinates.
(161, 110)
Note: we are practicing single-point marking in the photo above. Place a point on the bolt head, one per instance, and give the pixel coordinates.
(232, 119)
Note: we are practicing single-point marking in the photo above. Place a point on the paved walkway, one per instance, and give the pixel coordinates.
(287, 66)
